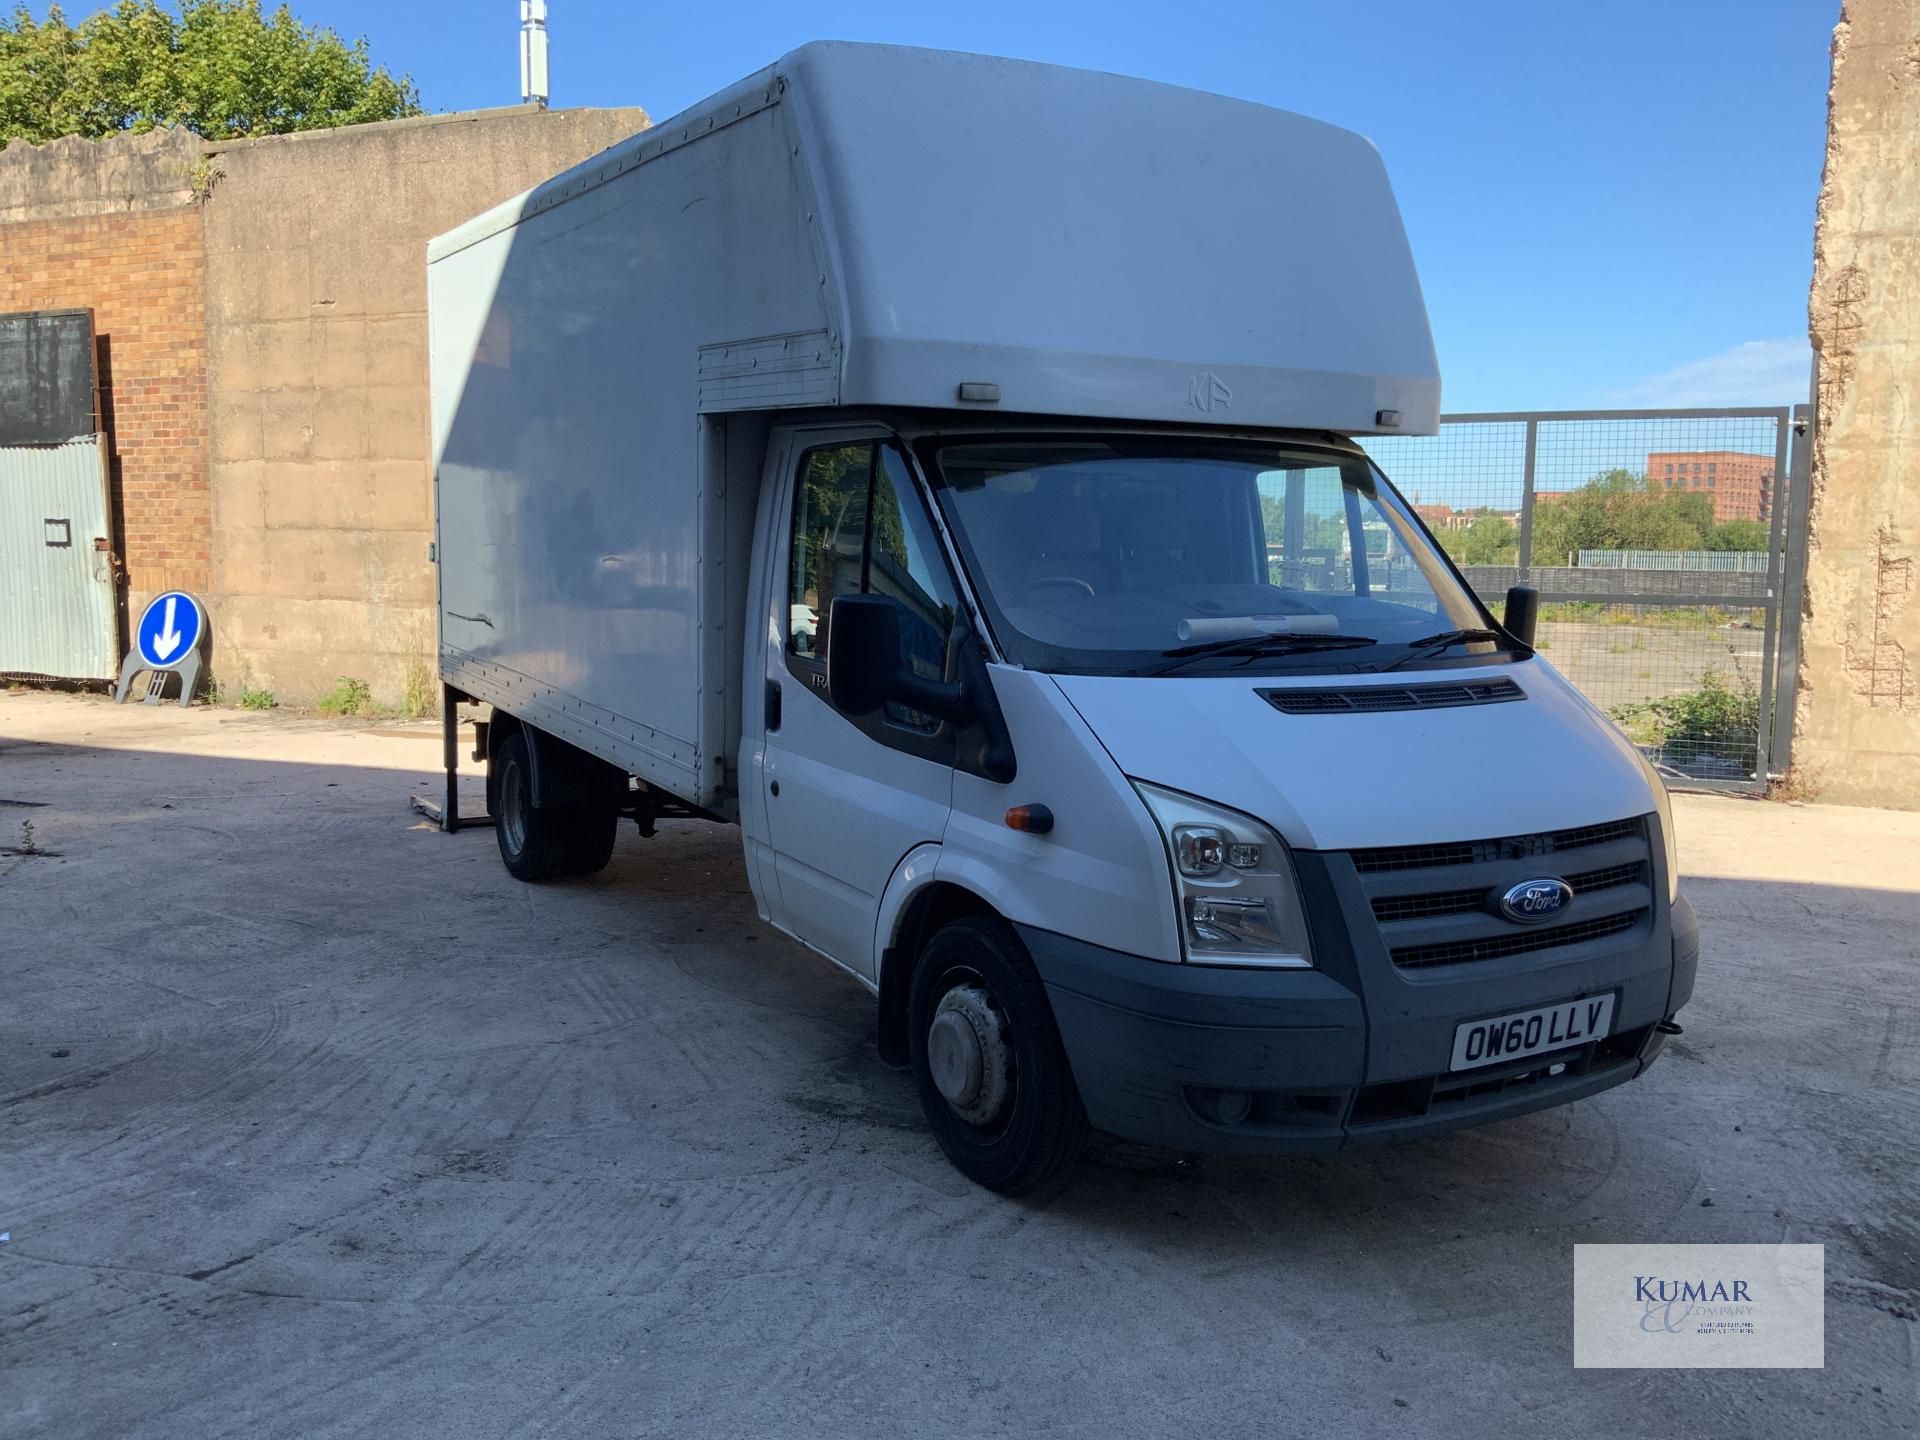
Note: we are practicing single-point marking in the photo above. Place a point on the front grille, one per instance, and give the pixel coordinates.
(1484, 852)
(1370, 699)
(1521, 942)
(1460, 902)
(1611, 878)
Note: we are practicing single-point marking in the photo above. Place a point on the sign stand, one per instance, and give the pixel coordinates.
(168, 641)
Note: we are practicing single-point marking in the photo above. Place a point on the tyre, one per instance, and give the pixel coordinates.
(987, 1059)
(590, 837)
(534, 843)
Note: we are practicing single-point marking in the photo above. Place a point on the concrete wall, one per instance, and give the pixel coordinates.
(316, 336)
(113, 225)
(71, 178)
(1857, 734)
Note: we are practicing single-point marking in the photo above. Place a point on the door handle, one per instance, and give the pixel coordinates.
(773, 704)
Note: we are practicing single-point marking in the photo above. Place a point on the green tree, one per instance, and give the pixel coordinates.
(1619, 510)
(1319, 530)
(1738, 535)
(1689, 508)
(221, 68)
(1490, 540)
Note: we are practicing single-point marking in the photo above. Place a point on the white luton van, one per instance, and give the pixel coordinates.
(941, 467)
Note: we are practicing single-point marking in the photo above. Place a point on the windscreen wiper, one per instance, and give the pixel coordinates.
(1271, 643)
(1427, 644)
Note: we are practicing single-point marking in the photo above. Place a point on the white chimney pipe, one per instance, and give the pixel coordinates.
(533, 52)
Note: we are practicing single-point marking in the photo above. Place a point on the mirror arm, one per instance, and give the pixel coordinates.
(943, 699)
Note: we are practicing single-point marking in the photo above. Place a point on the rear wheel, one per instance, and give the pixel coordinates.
(987, 1059)
(534, 843)
(590, 837)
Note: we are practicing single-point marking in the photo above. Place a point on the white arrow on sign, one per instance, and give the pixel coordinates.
(168, 640)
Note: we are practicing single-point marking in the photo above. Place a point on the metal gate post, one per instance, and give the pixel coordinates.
(1526, 503)
(1793, 589)
(1770, 633)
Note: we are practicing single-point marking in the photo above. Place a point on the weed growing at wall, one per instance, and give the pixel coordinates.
(349, 696)
(416, 700)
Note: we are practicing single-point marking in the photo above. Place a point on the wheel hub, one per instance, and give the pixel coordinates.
(512, 818)
(968, 1054)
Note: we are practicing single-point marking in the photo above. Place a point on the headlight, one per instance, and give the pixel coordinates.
(1233, 882)
(1663, 807)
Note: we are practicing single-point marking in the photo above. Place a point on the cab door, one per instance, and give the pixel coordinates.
(845, 799)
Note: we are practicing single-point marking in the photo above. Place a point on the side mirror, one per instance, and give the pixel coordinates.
(863, 663)
(863, 651)
(1523, 613)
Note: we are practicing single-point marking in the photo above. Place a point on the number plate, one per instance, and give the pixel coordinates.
(1531, 1032)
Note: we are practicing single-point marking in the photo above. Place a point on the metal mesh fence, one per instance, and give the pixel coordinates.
(1587, 508)
(1468, 483)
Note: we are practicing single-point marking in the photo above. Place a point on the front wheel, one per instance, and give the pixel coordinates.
(987, 1059)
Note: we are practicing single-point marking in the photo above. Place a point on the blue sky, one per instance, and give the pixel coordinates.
(1611, 204)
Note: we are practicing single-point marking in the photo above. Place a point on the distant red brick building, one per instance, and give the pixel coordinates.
(1740, 485)
(1443, 517)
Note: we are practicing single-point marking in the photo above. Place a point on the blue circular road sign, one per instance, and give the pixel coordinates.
(169, 629)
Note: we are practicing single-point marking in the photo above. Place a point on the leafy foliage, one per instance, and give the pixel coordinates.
(1490, 540)
(1320, 530)
(1621, 510)
(222, 68)
(418, 699)
(1617, 511)
(1719, 721)
(1737, 535)
(350, 696)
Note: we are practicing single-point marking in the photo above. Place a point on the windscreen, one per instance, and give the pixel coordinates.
(1124, 556)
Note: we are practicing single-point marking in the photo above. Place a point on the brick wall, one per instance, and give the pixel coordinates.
(143, 274)
(263, 309)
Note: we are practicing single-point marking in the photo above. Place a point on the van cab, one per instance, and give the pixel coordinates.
(1214, 679)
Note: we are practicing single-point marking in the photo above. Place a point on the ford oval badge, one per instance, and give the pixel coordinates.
(1532, 901)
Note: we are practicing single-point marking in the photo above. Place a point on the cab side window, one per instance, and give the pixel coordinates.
(829, 541)
(860, 527)
(903, 560)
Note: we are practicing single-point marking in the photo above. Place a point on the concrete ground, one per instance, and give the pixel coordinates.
(314, 1123)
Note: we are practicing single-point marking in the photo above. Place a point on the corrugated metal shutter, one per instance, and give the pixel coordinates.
(56, 590)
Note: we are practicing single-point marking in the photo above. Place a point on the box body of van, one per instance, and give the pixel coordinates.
(943, 468)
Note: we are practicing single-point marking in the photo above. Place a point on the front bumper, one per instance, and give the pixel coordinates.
(1328, 1062)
